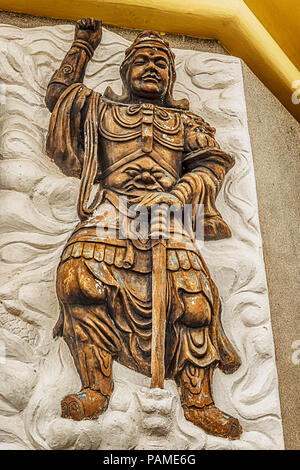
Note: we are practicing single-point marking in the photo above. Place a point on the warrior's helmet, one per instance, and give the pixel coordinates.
(154, 40)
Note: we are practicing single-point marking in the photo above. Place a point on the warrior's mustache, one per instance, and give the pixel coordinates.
(151, 75)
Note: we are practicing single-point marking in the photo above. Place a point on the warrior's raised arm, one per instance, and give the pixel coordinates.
(88, 33)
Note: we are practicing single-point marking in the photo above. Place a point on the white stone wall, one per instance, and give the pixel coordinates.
(37, 215)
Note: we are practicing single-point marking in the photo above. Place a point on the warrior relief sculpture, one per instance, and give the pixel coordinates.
(145, 301)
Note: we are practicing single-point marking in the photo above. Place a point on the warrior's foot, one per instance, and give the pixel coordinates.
(213, 421)
(86, 404)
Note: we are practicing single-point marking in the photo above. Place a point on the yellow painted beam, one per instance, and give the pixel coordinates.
(248, 39)
(282, 19)
(229, 21)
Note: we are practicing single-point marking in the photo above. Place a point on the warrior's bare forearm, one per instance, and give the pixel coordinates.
(87, 36)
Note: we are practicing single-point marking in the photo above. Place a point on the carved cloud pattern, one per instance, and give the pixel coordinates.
(38, 213)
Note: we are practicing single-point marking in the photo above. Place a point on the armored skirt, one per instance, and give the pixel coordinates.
(104, 290)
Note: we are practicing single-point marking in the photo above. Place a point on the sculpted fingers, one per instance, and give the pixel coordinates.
(80, 24)
(88, 23)
(211, 142)
(89, 30)
(84, 23)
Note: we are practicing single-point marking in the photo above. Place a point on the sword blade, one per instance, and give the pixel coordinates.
(159, 286)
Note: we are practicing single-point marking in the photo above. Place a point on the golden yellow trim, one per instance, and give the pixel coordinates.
(229, 21)
(282, 19)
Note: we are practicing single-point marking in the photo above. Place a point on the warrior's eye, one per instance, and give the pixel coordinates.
(161, 64)
(139, 61)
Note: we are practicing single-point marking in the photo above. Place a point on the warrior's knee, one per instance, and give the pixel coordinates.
(76, 285)
(197, 310)
(66, 281)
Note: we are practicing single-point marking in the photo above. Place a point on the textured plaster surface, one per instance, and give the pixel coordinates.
(275, 144)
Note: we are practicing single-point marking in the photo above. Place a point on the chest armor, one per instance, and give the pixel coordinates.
(129, 132)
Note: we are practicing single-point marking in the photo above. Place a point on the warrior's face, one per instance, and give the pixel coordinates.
(149, 73)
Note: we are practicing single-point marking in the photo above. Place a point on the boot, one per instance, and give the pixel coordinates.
(194, 385)
(95, 369)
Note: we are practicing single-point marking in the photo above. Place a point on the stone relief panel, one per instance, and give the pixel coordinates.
(38, 214)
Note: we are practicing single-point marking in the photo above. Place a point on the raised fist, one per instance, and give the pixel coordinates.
(90, 30)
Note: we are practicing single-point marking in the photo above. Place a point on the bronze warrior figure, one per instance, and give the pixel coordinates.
(145, 146)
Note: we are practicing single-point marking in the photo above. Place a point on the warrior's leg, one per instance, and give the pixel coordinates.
(94, 366)
(194, 382)
(195, 388)
(88, 330)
